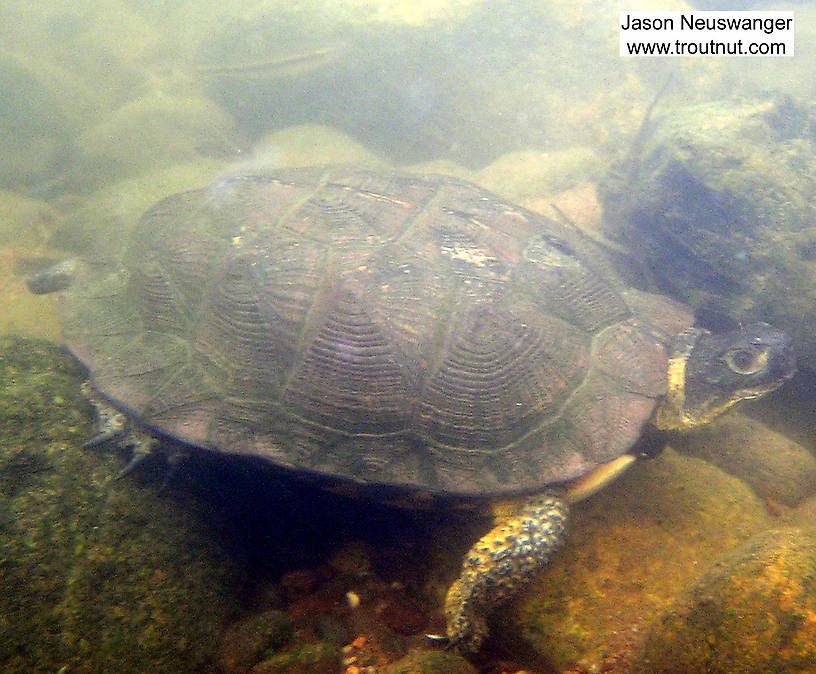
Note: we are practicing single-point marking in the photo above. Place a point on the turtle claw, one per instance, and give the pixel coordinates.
(142, 444)
(103, 437)
(135, 461)
(113, 425)
(110, 422)
(440, 639)
(174, 460)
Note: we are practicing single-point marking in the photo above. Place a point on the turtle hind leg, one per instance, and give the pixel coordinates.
(141, 445)
(113, 425)
(499, 564)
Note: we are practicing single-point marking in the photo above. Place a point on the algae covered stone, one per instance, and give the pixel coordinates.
(775, 466)
(158, 130)
(753, 611)
(94, 576)
(430, 662)
(718, 204)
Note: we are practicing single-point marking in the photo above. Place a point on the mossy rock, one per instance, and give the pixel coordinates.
(753, 611)
(720, 208)
(430, 662)
(304, 658)
(155, 131)
(95, 575)
(308, 145)
(254, 639)
(39, 399)
(524, 174)
(34, 135)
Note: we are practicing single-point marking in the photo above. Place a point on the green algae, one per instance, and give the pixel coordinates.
(254, 639)
(39, 400)
(305, 658)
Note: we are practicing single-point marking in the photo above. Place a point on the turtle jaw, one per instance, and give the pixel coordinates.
(708, 373)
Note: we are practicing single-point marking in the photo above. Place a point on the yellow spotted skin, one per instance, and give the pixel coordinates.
(499, 564)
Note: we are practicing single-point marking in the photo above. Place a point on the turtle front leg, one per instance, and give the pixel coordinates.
(520, 543)
(500, 563)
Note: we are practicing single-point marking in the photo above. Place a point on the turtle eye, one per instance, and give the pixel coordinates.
(745, 361)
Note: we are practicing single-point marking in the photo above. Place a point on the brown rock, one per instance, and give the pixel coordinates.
(631, 550)
(753, 611)
(774, 466)
(430, 662)
(297, 584)
(309, 658)
(247, 642)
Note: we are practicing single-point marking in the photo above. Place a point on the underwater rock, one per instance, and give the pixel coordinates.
(60, 68)
(631, 550)
(525, 174)
(430, 662)
(719, 207)
(308, 658)
(578, 204)
(752, 611)
(34, 134)
(253, 639)
(803, 515)
(102, 220)
(155, 131)
(774, 466)
(95, 575)
(306, 145)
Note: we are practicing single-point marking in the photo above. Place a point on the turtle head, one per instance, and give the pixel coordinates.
(51, 279)
(709, 373)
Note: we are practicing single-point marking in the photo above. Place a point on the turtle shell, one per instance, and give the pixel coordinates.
(386, 329)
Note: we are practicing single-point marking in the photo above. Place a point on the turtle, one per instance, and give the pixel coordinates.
(411, 338)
